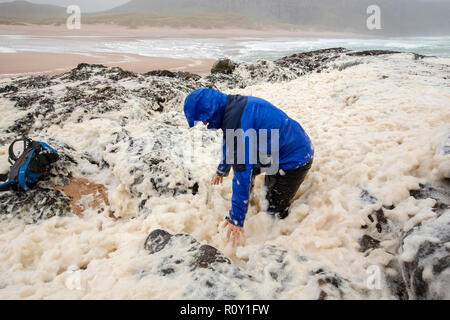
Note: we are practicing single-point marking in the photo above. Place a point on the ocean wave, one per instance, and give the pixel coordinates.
(7, 50)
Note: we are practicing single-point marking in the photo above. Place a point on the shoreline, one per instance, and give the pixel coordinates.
(20, 64)
(17, 63)
(115, 30)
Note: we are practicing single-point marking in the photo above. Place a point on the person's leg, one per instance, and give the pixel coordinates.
(255, 172)
(281, 189)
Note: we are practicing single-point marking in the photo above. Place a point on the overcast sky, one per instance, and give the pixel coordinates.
(97, 5)
(85, 5)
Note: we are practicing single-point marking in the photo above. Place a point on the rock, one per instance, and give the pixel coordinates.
(366, 53)
(394, 280)
(205, 273)
(34, 205)
(170, 74)
(199, 256)
(421, 267)
(9, 88)
(156, 241)
(367, 197)
(225, 66)
(207, 256)
(425, 259)
(307, 62)
(367, 242)
(440, 193)
(332, 285)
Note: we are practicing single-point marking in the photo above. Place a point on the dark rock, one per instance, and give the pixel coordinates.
(161, 73)
(156, 241)
(381, 220)
(349, 64)
(331, 284)
(418, 56)
(366, 53)
(225, 66)
(119, 74)
(440, 193)
(425, 259)
(170, 74)
(367, 242)
(205, 273)
(207, 256)
(211, 274)
(34, 205)
(307, 62)
(367, 197)
(395, 282)
(9, 88)
(322, 295)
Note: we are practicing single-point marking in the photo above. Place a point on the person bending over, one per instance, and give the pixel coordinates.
(257, 137)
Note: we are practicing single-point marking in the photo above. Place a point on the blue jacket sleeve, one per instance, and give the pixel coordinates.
(223, 169)
(241, 194)
(243, 175)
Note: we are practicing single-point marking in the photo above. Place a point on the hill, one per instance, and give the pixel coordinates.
(21, 9)
(398, 17)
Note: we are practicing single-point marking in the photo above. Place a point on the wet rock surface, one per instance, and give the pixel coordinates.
(213, 276)
(424, 251)
(225, 66)
(34, 205)
(425, 259)
(420, 263)
(179, 254)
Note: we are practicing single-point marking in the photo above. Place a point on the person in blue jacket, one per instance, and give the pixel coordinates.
(257, 137)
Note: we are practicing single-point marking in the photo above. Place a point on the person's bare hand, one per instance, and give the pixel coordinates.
(235, 232)
(216, 179)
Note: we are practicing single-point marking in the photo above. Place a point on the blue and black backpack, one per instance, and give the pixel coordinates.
(28, 167)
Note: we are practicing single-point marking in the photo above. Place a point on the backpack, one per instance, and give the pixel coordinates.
(31, 165)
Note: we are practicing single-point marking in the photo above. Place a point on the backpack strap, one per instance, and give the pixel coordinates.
(6, 186)
(46, 146)
(12, 157)
(22, 176)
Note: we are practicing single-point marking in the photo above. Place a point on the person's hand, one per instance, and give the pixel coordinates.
(216, 179)
(235, 232)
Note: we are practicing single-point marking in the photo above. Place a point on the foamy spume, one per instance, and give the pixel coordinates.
(377, 126)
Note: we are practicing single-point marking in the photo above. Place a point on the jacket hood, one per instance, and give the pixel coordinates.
(206, 105)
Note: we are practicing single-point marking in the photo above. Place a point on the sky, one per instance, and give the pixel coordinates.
(85, 5)
(95, 5)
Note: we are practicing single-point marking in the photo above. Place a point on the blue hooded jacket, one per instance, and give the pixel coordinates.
(224, 112)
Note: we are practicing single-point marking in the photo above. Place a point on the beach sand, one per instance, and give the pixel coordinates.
(35, 63)
(161, 32)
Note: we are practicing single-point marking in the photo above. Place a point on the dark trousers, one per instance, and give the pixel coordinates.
(281, 188)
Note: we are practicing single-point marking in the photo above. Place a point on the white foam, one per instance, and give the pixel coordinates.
(382, 141)
(7, 50)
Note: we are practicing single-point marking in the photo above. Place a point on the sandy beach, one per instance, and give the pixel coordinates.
(34, 63)
(156, 32)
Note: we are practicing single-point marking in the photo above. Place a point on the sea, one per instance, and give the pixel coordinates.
(247, 49)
